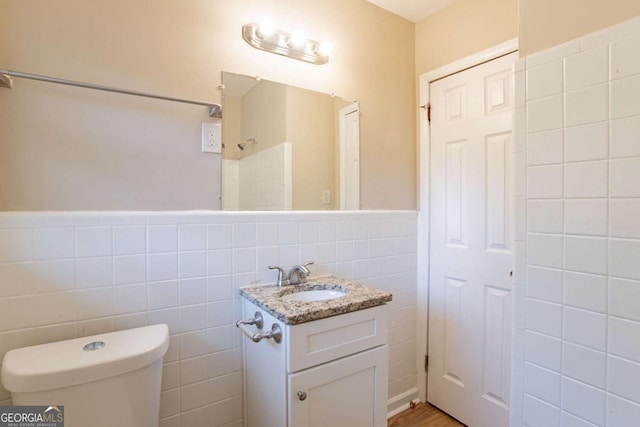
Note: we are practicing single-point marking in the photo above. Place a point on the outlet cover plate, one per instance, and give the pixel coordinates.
(211, 138)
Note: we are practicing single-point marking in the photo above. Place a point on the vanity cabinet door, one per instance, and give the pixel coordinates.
(348, 392)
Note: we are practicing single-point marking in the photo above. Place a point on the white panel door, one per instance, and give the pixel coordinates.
(471, 243)
(350, 157)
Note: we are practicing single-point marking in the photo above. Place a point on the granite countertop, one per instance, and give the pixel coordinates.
(359, 297)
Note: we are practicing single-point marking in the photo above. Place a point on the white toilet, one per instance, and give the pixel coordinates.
(102, 381)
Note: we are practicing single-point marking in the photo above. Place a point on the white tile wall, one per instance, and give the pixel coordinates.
(624, 95)
(587, 105)
(539, 413)
(623, 298)
(584, 364)
(64, 275)
(625, 175)
(625, 134)
(263, 180)
(543, 351)
(624, 258)
(580, 263)
(545, 216)
(622, 412)
(545, 284)
(587, 68)
(587, 142)
(520, 405)
(545, 250)
(542, 383)
(586, 179)
(230, 184)
(586, 217)
(583, 400)
(545, 80)
(545, 182)
(544, 148)
(585, 291)
(623, 217)
(585, 254)
(544, 114)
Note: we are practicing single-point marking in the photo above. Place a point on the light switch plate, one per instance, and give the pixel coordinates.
(326, 197)
(211, 138)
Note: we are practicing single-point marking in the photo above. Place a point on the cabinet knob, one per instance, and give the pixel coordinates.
(302, 395)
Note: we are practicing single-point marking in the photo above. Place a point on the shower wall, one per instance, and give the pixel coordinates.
(577, 317)
(230, 182)
(259, 182)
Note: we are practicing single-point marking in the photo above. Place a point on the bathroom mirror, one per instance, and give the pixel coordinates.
(287, 148)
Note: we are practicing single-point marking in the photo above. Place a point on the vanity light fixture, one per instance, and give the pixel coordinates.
(265, 36)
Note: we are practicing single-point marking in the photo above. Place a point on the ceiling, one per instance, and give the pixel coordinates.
(413, 10)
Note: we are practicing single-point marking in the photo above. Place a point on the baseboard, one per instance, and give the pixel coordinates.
(400, 402)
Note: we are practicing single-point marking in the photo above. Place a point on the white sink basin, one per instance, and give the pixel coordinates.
(313, 295)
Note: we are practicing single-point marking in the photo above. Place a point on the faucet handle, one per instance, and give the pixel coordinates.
(282, 275)
(303, 272)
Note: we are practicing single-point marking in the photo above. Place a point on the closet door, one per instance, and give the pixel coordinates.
(471, 243)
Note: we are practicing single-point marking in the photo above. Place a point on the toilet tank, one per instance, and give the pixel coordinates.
(104, 380)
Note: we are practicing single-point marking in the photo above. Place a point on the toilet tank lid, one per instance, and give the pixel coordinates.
(66, 363)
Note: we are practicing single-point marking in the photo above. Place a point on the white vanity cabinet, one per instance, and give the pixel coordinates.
(330, 372)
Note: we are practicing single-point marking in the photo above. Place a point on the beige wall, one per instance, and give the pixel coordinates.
(462, 29)
(3, 33)
(69, 148)
(547, 23)
(232, 127)
(310, 130)
(3, 60)
(264, 117)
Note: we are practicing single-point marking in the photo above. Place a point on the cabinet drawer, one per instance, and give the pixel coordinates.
(320, 341)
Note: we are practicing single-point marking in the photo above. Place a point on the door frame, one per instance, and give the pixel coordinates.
(424, 195)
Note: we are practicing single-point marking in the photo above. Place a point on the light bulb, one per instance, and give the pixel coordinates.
(266, 28)
(325, 48)
(297, 39)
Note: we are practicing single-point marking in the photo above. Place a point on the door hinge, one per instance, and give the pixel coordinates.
(426, 362)
(427, 107)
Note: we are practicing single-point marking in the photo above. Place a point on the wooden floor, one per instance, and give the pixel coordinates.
(423, 415)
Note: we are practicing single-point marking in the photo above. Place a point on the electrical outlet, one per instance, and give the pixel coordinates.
(211, 138)
(326, 197)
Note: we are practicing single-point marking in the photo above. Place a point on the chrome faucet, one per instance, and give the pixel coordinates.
(297, 275)
(283, 279)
